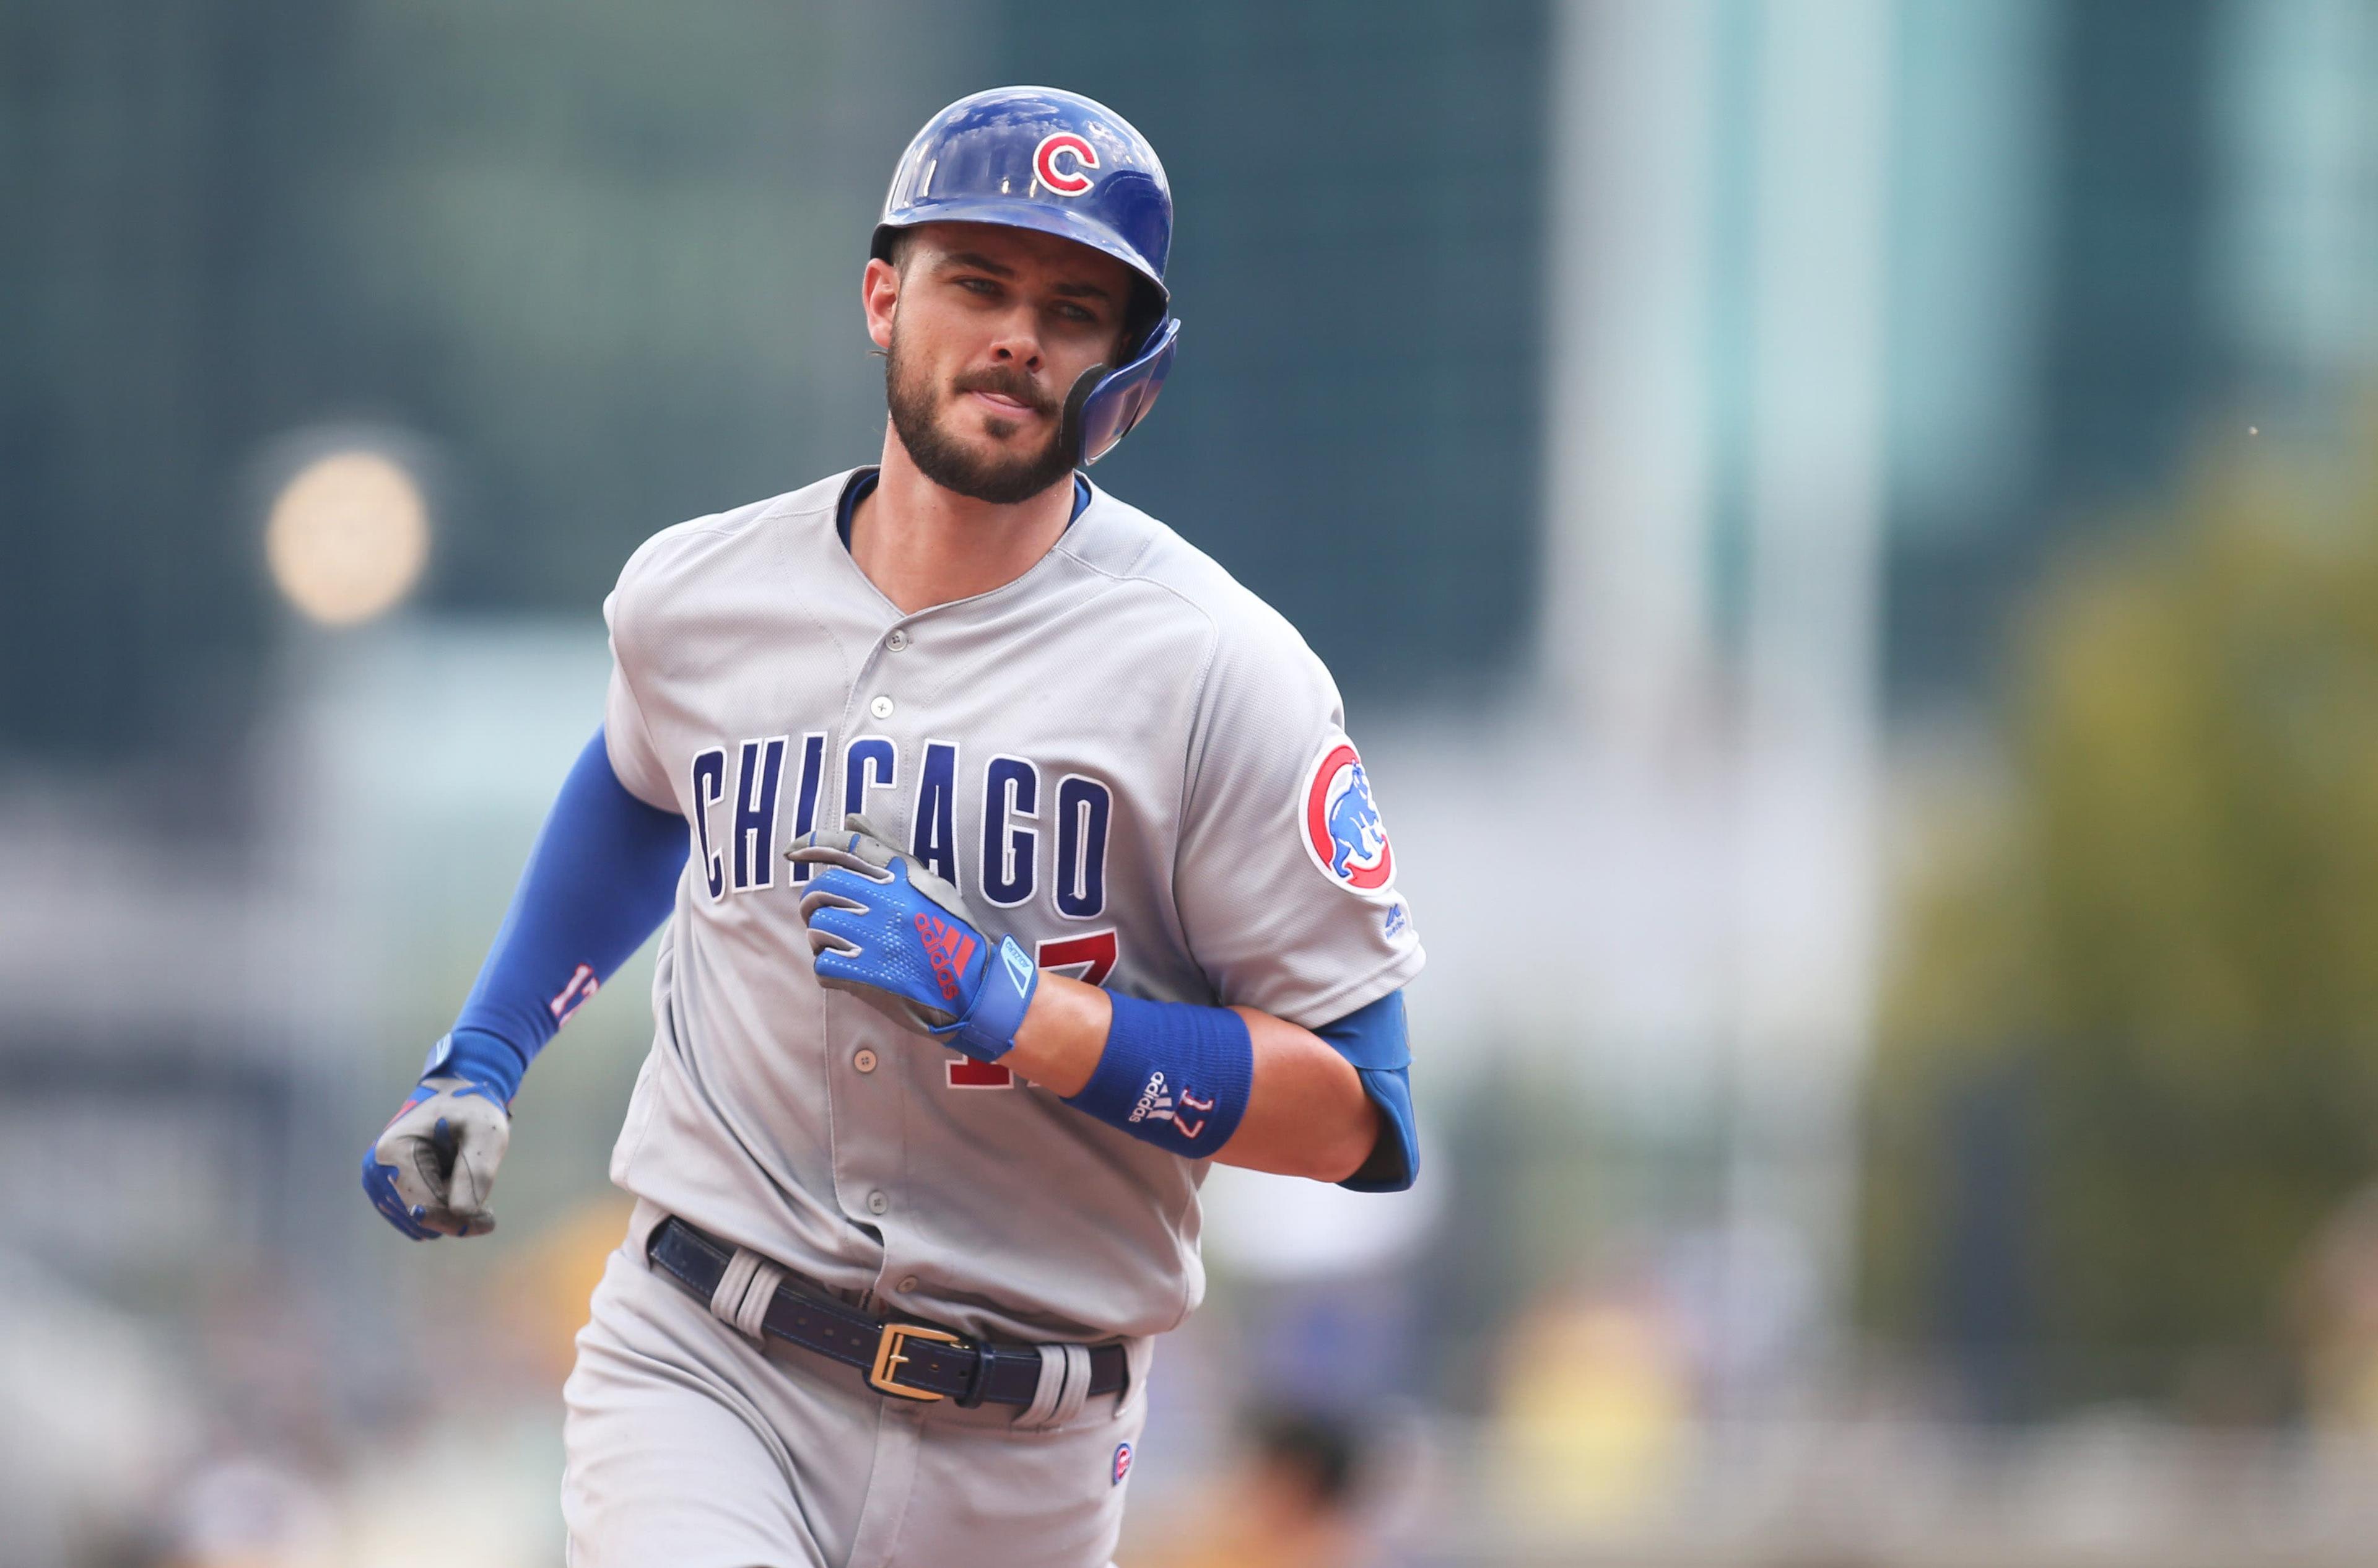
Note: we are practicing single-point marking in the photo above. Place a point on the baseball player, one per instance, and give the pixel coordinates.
(1015, 865)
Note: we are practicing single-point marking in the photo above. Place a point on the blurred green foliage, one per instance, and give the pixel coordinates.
(2129, 1052)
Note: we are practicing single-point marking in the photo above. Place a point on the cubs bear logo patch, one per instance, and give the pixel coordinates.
(1342, 830)
(1122, 1463)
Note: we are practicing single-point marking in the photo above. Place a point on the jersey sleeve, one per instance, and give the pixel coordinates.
(1373, 1039)
(635, 759)
(1285, 880)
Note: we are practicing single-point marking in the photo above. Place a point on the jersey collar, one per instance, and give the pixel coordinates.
(862, 481)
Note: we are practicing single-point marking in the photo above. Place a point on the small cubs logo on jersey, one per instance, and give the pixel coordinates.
(1342, 830)
(1052, 176)
(1122, 1463)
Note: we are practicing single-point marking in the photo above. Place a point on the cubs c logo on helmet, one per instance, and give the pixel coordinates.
(1340, 821)
(1080, 153)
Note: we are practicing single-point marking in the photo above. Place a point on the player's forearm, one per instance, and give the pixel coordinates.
(1306, 1114)
(601, 878)
(1063, 1033)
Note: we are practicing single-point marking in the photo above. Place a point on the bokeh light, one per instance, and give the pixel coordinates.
(347, 537)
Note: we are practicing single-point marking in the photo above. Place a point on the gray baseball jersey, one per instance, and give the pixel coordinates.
(1123, 758)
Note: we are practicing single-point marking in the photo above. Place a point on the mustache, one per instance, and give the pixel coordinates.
(1007, 383)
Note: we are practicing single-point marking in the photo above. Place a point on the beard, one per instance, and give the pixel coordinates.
(1000, 479)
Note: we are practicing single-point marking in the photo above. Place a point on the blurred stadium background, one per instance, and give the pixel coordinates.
(1864, 514)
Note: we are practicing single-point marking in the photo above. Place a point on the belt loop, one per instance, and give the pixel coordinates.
(978, 1376)
(745, 1288)
(1065, 1385)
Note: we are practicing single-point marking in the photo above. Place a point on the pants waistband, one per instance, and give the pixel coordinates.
(899, 1358)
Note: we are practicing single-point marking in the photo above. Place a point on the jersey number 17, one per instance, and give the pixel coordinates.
(1089, 959)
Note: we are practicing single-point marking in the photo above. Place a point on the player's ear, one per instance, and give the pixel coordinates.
(879, 296)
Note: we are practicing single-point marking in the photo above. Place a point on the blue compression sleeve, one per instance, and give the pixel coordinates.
(600, 881)
(1373, 1039)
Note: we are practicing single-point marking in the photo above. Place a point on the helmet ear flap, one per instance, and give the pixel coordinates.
(1070, 431)
(1104, 404)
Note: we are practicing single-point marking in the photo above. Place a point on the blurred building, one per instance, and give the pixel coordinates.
(590, 255)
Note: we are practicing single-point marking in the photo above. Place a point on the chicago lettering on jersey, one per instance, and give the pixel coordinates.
(805, 799)
(737, 794)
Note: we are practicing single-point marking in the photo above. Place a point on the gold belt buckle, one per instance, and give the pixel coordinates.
(888, 1356)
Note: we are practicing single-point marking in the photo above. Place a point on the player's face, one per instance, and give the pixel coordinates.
(985, 329)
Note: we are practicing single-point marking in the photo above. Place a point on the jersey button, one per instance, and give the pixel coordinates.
(896, 642)
(881, 707)
(908, 1283)
(877, 1203)
(864, 1060)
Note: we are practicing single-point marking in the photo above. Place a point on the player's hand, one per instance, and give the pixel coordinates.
(899, 938)
(431, 1169)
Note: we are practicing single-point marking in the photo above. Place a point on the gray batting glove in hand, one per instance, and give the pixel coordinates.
(430, 1172)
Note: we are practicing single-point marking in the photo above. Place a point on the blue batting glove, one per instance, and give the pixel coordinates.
(899, 939)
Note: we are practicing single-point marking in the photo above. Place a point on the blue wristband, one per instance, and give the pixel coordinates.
(477, 1056)
(1173, 1074)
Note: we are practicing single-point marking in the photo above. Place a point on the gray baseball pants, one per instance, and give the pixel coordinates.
(692, 1446)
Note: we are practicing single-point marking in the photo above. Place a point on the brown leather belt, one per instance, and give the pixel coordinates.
(910, 1360)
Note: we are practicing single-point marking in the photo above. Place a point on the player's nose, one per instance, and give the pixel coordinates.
(1017, 343)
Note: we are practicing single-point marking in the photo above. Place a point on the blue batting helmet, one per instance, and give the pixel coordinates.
(1038, 158)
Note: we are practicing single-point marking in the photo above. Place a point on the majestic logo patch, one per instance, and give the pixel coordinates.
(1342, 830)
(1054, 177)
(1122, 1463)
(949, 949)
